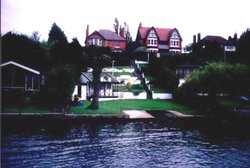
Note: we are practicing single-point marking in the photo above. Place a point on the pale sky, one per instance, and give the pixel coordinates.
(210, 17)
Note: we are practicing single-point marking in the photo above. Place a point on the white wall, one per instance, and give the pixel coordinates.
(143, 95)
(83, 95)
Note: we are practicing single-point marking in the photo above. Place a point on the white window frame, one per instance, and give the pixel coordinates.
(32, 83)
(152, 41)
(174, 43)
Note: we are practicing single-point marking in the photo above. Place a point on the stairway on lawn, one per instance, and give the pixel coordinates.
(140, 75)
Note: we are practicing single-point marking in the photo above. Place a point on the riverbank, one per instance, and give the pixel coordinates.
(126, 114)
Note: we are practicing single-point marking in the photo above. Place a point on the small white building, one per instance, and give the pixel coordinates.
(85, 89)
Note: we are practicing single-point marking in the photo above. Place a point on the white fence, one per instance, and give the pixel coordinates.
(130, 95)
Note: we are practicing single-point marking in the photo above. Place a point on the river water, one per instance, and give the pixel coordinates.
(124, 144)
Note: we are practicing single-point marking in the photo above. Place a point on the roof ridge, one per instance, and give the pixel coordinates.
(20, 66)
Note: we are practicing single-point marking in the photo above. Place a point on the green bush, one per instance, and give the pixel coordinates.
(136, 89)
(212, 80)
(59, 86)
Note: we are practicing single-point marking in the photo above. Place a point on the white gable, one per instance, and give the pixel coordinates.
(20, 66)
(152, 34)
(174, 35)
(105, 78)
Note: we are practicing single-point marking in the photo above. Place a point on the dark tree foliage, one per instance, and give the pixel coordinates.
(168, 80)
(78, 58)
(20, 48)
(98, 59)
(67, 62)
(59, 61)
(57, 35)
(116, 26)
(121, 58)
(243, 48)
(128, 36)
(213, 79)
(60, 84)
(208, 51)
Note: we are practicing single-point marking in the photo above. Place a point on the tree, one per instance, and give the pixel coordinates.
(56, 34)
(59, 86)
(35, 36)
(127, 33)
(77, 57)
(243, 48)
(98, 60)
(22, 49)
(213, 79)
(116, 26)
(168, 79)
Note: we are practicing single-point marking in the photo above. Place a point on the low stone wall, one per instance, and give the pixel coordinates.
(130, 95)
(162, 96)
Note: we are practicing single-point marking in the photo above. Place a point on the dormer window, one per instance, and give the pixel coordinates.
(174, 40)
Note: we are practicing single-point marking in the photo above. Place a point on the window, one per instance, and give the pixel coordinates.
(174, 43)
(32, 83)
(117, 44)
(90, 41)
(152, 42)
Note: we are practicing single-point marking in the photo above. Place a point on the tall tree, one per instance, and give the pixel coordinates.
(127, 33)
(56, 34)
(98, 60)
(116, 26)
(22, 49)
(77, 57)
(243, 48)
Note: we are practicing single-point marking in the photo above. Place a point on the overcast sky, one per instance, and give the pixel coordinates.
(210, 17)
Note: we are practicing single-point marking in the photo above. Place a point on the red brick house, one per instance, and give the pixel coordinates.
(106, 38)
(165, 41)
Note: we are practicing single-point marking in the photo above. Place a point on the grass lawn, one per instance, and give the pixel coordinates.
(120, 67)
(116, 106)
(122, 73)
(230, 104)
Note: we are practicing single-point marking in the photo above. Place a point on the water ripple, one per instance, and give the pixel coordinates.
(135, 144)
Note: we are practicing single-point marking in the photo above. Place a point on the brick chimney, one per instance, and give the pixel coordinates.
(194, 39)
(87, 31)
(140, 25)
(199, 37)
(235, 36)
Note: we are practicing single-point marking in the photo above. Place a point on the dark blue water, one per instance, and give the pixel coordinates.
(131, 144)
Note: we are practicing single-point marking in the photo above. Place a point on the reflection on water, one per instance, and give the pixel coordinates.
(130, 144)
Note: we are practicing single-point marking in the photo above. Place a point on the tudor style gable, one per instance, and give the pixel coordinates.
(165, 41)
(152, 38)
(175, 39)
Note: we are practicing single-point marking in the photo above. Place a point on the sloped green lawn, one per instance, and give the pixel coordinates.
(116, 106)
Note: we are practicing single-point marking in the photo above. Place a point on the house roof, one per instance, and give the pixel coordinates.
(88, 77)
(108, 35)
(20, 66)
(218, 39)
(163, 33)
